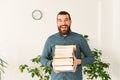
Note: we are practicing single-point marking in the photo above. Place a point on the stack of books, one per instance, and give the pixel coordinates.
(63, 60)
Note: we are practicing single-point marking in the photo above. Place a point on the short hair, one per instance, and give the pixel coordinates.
(64, 13)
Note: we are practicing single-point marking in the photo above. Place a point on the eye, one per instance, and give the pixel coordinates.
(59, 20)
(66, 19)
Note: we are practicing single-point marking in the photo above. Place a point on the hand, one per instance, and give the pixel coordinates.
(75, 62)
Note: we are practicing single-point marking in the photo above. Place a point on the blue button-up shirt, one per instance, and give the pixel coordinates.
(71, 39)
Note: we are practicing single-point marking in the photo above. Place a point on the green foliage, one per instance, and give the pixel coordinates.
(43, 73)
(98, 68)
(2, 66)
(86, 37)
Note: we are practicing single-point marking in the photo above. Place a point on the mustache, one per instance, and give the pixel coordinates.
(64, 25)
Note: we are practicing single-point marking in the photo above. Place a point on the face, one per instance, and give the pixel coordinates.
(63, 23)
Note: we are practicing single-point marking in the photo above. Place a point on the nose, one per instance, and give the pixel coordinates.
(63, 22)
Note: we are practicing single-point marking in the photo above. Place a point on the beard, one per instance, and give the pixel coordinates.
(64, 29)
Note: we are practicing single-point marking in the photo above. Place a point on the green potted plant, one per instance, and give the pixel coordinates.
(98, 69)
(2, 66)
(93, 71)
(43, 73)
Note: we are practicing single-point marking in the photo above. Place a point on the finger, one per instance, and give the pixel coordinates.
(74, 69)
(73, 54)
(56, 71)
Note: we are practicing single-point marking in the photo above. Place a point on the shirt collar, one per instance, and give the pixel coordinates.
(66, 35)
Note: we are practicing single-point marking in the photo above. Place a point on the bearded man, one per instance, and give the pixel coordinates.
(66, 37)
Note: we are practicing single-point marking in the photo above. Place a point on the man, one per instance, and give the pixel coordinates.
(66, 37)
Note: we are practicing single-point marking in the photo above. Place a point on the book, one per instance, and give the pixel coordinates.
(63, 61)
(64, 68)
(64, 50)
(63, 55)
(66, 47)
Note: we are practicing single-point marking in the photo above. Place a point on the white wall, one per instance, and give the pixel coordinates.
(116, 39)
(22, 38)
